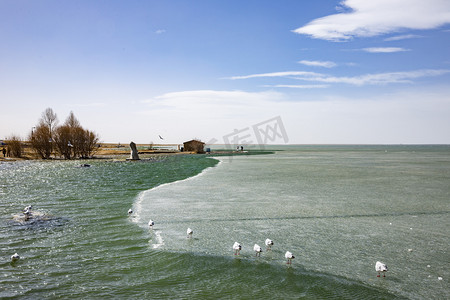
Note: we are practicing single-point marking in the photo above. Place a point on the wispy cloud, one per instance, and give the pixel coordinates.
(299, 86)
(367, 79)
(212, 98)
(402, 37)
(382, 78)
(160, 31)
(384, 49)
(362, 18)
(316, 63)
(276, 74)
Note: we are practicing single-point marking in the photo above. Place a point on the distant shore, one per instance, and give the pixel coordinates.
(119, 151)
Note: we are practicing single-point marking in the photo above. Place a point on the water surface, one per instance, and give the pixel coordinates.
(339, 209)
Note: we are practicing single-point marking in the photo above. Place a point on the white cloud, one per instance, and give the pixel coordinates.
(276, 74)
(382, 78)
(299, 86)
(411, 116)
(402, 37)
(371, 18)
(208, 114)
(213, 96)
(367, 79)
(384, 49)
(160, 31)
(315, 63)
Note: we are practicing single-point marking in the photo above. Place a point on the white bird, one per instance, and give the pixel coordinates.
(189, 233)
(130, 211)
(381, 267)
(269, 244)
(151, 223)
(29, 207)
(237, 248)
(289, 257)
(257, 249)
(15, 257)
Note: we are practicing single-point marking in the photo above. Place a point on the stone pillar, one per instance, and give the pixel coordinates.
(134, 153)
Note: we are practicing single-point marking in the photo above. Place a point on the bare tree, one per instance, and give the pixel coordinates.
(49, 118)
(84, 142)
(76, 134)
(78, 139)
(41, 137)
(41, 140)
(62, 139)
(72, 121)
(90, 146)
(72, 140)
(14, 146)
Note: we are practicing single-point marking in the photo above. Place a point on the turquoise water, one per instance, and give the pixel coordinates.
(339, 209)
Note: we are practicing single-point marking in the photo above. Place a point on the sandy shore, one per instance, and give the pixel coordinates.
(106, 151)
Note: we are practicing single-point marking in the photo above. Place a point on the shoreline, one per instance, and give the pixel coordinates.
(106, 153)
(106, 156)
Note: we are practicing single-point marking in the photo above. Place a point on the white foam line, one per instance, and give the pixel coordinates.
(137, 206)
(159, 240)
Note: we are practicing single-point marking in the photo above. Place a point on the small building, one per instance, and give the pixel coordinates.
(194, 146)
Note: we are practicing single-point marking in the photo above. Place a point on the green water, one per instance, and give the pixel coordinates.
(338, 209)
(88, 248)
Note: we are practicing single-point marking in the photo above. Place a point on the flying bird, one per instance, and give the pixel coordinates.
(237, 248)
(257, 249)
(269, 244)
(381, 268)
(189, 233)
(289, 257)
(160, 137)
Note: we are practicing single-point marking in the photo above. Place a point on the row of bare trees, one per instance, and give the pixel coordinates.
(68, 140)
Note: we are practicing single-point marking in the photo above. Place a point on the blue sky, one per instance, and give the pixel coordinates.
(346, 72)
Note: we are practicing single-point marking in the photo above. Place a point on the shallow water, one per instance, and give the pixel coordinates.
(338, 209)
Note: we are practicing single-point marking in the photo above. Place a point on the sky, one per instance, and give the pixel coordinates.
(256, 71)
